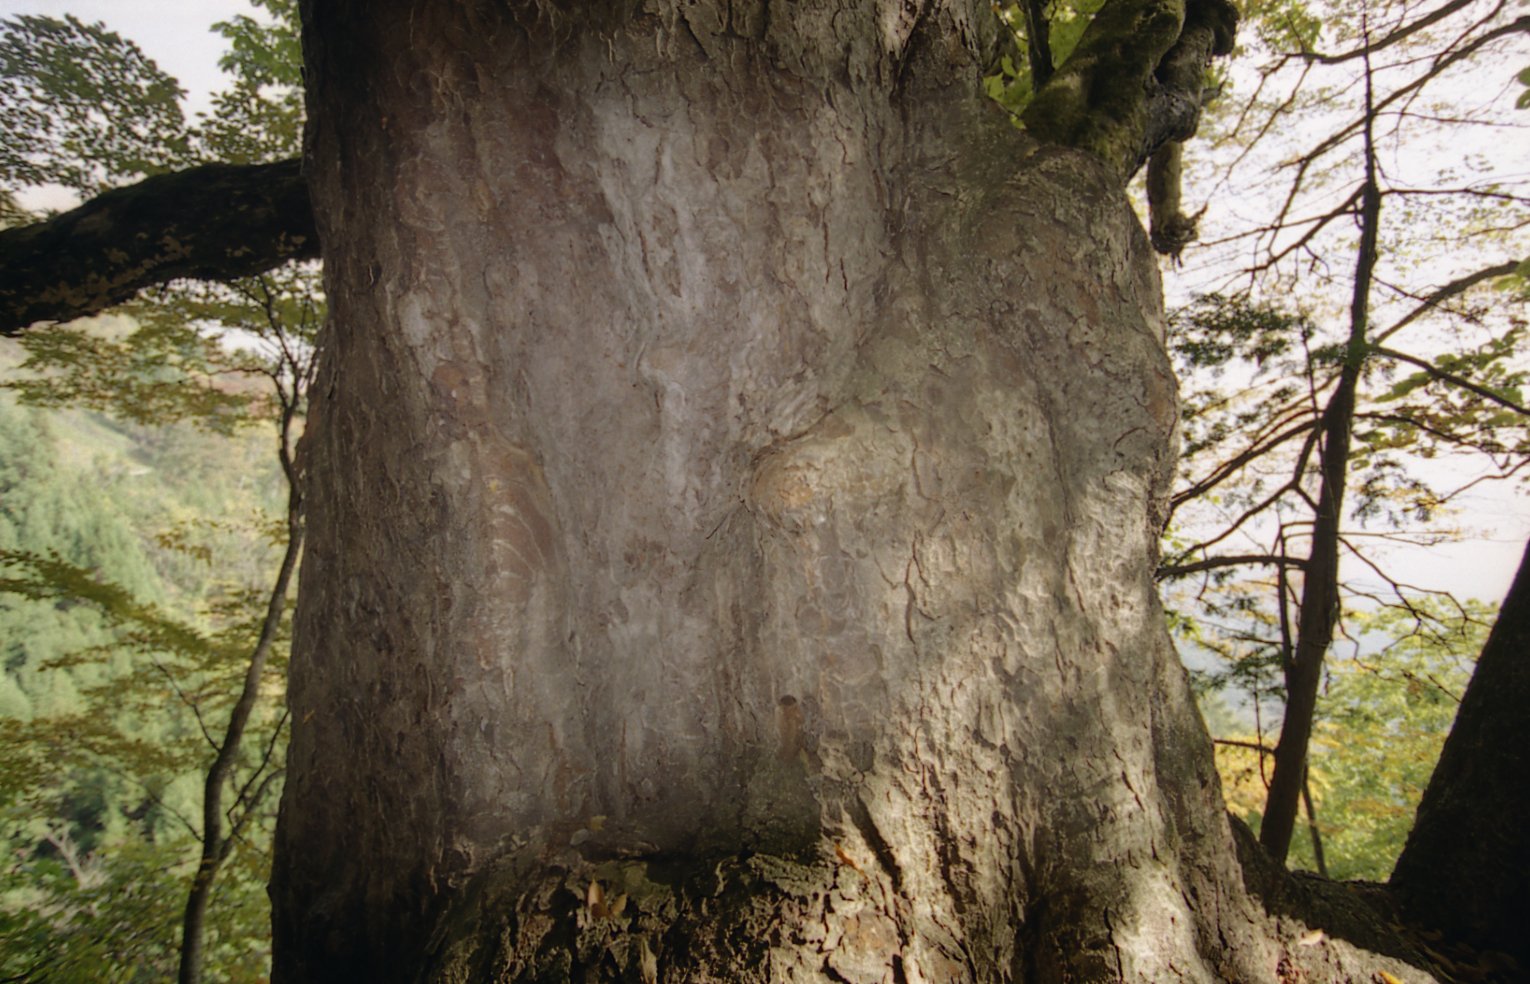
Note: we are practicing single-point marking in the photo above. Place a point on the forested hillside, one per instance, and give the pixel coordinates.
(168, 525)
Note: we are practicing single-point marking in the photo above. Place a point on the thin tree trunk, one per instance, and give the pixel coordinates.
(215, 845)
(1318, 859)
(1319, 609)
(1038, 43)
(1317, 615)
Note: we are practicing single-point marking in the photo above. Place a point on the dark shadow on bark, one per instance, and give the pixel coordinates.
(1362, 913)
(1464, 868)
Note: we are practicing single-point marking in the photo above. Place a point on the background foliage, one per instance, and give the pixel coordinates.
(1362, 266)
(143, 513)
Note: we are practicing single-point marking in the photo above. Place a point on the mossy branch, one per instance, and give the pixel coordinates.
(1133, 83)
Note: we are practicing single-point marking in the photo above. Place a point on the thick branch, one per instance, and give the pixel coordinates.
(1400, 34)
(1253, 746)
(1519, 25)
(1171, 230)
(1227, 560)
(1258, 449)
(214, 222)
(1453, 289)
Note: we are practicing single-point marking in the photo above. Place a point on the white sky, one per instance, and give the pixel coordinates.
(177, 34)
(1491, 522)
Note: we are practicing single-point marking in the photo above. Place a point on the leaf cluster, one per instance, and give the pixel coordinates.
(259, 118)
(1213, 331)
(82, 107)
(1383, 715)
(113, 727)
(221, 356)
(1257, 379)
(85, 109)
(69, 918)
(1011, 80)
(107, 768)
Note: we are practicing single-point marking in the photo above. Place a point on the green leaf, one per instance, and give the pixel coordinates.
(83, 107)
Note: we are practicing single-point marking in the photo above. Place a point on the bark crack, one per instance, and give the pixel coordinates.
(860, 815)
(1110, 928)
(912, 605)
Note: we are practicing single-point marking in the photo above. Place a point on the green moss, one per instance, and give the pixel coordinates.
(1097, 101)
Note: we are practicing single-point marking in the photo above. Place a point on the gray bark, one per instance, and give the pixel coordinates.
(737, 469)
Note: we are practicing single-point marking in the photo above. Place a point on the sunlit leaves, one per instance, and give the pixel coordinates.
(82, 107)
(1469, 399)
(1382, 718)
(1283, 25)
(1383, 713)
(1242, 364)
(205, 353)
(1009, 82)
(260, 117)
(1257, 376)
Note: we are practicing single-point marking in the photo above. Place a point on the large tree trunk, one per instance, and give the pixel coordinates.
(1466, 866)
(735, 478)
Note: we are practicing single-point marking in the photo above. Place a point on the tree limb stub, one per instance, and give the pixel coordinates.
(1134, 82)
(212, 222)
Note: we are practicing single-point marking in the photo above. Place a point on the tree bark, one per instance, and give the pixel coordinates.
(738, 461)
(736, 469)
(1463, 869)
(215, 222)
